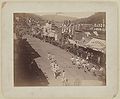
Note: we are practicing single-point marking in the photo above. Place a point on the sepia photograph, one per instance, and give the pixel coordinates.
(59, 49)
(69, 49)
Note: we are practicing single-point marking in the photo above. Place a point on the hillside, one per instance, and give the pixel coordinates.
(96, 18)
(58, 18)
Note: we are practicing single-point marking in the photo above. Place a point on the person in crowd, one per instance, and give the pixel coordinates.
(83, 39)
(77, 58)
(55, 68)
(49, 56)
(78, 62)
(53, 58)
(79, 65)
(82, 61)
(88, 66)
(88, 56)
(84, 67)
(98, 61)
(73, 60)
(91, 57)
(93, 70)
(64, 79)
(54, 71)
(52, 64)
(58, 72)
(101, 70)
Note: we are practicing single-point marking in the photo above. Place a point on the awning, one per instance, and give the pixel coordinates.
(79, 42)
(97, 44)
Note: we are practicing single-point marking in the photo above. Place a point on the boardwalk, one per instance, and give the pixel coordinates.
(74, 75)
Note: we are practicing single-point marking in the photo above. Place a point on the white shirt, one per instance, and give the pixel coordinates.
(93, 68)
(77, 62)
(84, 65)
(82, 61)
(72, 59)
(77, 59)
(101, 69)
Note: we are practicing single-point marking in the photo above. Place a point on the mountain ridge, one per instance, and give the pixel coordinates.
(59, 18)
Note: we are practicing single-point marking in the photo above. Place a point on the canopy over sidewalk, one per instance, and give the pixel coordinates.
(81, 42)
(97, 44)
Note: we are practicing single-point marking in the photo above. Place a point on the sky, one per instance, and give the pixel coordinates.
(71, 14)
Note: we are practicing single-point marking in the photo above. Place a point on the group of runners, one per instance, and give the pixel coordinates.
(85, 65)
(57, 71)
(77, 62)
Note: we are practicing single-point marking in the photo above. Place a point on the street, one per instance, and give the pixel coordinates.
(74, 75)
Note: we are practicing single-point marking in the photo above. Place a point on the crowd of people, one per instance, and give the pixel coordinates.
(57, 71)
(76, 62)
(82, 58)
(86, 66)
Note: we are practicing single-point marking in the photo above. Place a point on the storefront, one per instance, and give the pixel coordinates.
(93, 50)
(98, 48)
